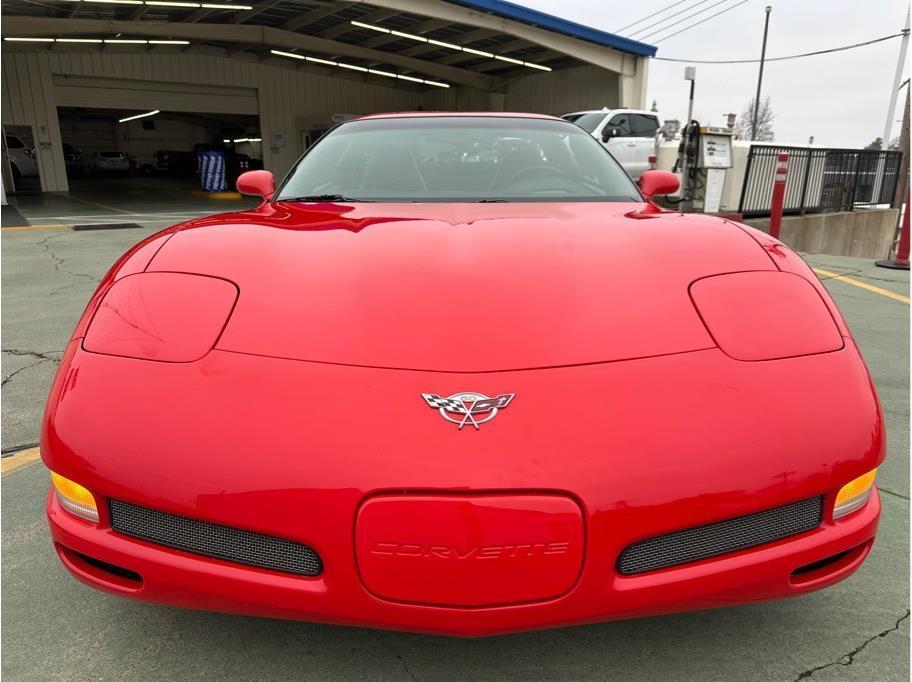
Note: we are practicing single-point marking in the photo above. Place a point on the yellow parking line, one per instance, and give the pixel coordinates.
(19, 460)
(104, 206)
(18, 228)
(863, 285)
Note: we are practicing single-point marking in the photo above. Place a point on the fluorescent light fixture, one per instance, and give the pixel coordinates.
(30, 40)
(372, 28)
(255, 139)
(317, 60)
(410, 36)
(226, 141)
(169, 42)
(540, 67)
(206, 5)
(78, 40)
(353, 67)
(500, 57)
(133, 118)
(443, 44)
(171, 3)
(480, 53)
(288, 54)
(109, 41)
(116, 2)
(242, 139)
(118, 41)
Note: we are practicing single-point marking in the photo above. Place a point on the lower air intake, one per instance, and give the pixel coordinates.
(214, 540)
(715, 539)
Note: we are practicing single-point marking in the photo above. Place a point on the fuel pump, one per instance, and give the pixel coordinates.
(704, 157)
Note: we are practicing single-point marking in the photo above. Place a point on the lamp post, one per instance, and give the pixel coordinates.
(766, 25)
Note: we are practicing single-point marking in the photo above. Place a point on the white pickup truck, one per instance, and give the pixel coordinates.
(629, 134)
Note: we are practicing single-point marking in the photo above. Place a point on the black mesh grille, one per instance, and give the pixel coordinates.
(723, 537)
(212, 539)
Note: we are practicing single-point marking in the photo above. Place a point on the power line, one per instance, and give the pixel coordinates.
(780, 59)
(682, 19)
(650, 16)
(666, 18)
(687, 28)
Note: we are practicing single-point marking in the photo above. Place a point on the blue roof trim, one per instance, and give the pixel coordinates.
(509, 10)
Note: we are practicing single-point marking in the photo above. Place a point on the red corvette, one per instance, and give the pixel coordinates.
(458, 374)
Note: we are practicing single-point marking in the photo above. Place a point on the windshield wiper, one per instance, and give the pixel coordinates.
(324, 197)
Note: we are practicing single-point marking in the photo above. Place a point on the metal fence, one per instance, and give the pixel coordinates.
(819, 180)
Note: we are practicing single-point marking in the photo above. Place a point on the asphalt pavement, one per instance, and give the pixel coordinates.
(56, 628)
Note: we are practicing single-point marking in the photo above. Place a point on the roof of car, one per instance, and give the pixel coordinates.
(433, 114)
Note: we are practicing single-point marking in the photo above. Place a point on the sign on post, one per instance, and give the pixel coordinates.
(212, 171)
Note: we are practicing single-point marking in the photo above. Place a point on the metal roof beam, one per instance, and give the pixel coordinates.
(244, 33)
(346, 26)
(311, 16)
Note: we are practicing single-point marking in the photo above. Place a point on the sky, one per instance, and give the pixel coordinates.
(841, 99)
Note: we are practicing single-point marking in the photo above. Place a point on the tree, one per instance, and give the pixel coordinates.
(765, 117)
(878, 144)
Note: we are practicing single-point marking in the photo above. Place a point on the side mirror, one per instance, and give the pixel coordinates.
(656, 182)
(257, 183)
(610, 131)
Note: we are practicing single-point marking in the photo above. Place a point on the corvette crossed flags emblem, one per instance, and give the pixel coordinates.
(468, 407)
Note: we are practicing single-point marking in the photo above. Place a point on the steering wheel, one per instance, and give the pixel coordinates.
(553, 170)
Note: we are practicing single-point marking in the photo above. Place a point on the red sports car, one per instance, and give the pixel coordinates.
(458, 374)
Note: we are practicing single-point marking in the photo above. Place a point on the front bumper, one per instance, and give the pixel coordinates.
(339, 596)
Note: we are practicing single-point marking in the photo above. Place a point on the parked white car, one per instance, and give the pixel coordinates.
(108, 161)
(22, 159)
(629, 134)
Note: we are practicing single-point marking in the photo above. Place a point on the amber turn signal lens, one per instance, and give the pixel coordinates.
(854, 494)
(74, 498)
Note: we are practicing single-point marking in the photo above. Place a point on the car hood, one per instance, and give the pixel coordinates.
(461, 287)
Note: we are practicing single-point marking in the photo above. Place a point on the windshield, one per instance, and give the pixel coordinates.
(458, 158)
(588, 122)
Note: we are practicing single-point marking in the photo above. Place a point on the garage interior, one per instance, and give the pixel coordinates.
(281, 72)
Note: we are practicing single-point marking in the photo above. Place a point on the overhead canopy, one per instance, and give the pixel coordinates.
(476, 43)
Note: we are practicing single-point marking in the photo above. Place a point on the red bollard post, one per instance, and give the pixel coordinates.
(778, 202)
(901, 259)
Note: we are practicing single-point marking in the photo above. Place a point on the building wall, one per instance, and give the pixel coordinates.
(556, 93)
(283, 95)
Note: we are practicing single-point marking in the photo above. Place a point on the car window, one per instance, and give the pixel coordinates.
(459, 158)
(621, 121)
(13, 142)
(588, 122)
(643, 125)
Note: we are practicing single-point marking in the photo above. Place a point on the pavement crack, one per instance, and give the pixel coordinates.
(59, 264)
(402, 661)
(849, 658)
(46, 355)
(881, 489)
(10, 376)
(39, 358)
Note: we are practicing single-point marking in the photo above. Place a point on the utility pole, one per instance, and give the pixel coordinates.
(766, 26)
(897, 79)
(902, 180)
(900, 260)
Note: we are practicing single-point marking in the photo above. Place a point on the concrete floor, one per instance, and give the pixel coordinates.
(55, 628)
